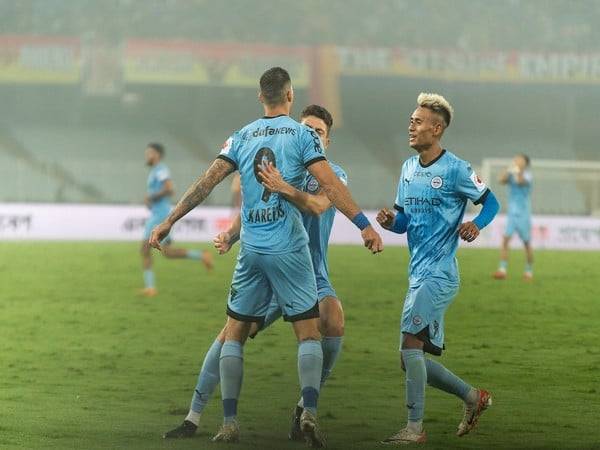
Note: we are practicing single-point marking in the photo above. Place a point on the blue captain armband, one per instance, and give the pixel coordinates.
(361, 221)
(400, 223)
(488, 212)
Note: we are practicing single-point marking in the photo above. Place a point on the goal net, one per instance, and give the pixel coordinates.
(560, 187)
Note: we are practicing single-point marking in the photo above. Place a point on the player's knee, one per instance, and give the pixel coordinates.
(221, 336)
(332, 326)
(332, 317)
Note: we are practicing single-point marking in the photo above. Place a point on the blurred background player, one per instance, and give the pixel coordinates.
(518, 219)
(159, 191)
(274, 259)
(318, 215)
(433, 191)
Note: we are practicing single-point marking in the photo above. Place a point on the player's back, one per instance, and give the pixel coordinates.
(270, 224)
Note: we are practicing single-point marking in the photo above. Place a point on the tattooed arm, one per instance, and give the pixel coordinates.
(195, 195)
(340, 196)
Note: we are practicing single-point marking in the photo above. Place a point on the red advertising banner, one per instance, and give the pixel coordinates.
(211, 64)
(457, 65)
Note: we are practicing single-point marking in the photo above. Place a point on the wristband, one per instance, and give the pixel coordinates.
(361, 221)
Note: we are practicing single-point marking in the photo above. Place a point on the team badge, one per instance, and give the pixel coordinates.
(312, 186)
(417, 320)
(437, 182)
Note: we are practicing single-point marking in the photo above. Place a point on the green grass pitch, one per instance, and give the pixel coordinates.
(87, 364)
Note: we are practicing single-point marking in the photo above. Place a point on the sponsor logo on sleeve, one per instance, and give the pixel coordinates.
(480, 185)
(226, 146)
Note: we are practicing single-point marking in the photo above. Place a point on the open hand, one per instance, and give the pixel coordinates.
(271, 178)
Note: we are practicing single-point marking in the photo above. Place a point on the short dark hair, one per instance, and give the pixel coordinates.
(526, 158)
(320, 112)
(159, 148)
(273, 84)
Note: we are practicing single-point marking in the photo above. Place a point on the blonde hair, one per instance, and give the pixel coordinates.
(437, 104)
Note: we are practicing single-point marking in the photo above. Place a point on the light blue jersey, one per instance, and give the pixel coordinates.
(157, 177)
(159, 209)
(270, 224)
(319, 228)
(519, 207)
(519, 195)
(434, 198)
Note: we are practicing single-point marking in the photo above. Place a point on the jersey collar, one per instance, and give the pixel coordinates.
(434, 161)
(274, 117)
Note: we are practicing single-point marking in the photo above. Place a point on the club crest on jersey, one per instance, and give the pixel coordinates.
(312, 185)
(480, 185)
(437, 182)
(417, 320)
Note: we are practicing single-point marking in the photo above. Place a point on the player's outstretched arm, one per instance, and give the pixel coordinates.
(195, 195)
(310, 203)
(342, 199)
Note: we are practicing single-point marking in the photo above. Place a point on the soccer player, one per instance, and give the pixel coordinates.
(274, 259)
(317, 215)
(518, 178)
(433, 191)
(159, 191)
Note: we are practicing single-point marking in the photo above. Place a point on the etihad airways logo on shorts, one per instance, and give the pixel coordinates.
(269, 131)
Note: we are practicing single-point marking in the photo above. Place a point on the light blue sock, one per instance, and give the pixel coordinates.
(332, 346)
(208, 378)
(149, 278)
(231, 368)
(529, 267)
(503, 265)
(416, 378)
(310, 367)
(441, 378)
(194, 254)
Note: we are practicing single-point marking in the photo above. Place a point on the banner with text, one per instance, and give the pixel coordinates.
(126, 223)
(39, 60)
(211, 64)
(459, 65)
